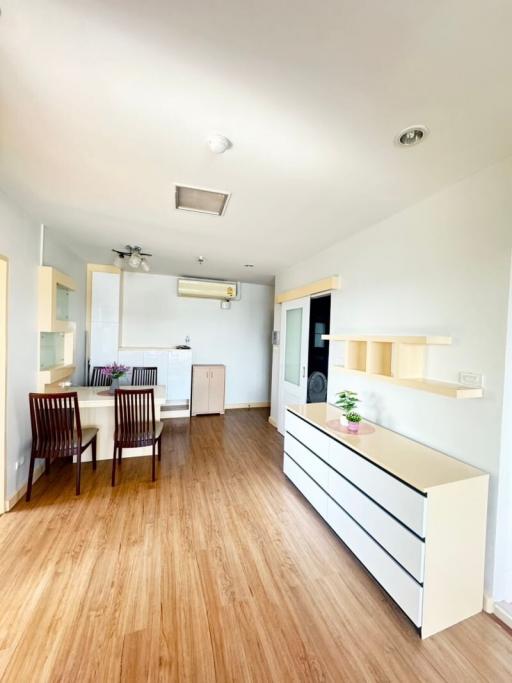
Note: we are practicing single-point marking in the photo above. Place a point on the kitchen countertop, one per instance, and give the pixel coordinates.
(89, 397)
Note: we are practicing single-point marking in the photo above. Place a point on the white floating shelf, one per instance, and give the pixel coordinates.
(398, 360)
(389, 339)
(431, 385)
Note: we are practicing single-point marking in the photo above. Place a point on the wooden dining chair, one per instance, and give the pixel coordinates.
(144, 377)
(98, 379)
(135, 425)
(57, 433)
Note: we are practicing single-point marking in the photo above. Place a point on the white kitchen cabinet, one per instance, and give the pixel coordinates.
(179, 375)
(104, 331)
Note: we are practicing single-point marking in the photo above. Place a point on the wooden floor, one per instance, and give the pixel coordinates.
(220, 571)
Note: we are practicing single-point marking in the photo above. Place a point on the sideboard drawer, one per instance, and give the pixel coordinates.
(316, 469)
(311, 437)
(408, 505)
(403, 589)
(306, 486)
(405, 547)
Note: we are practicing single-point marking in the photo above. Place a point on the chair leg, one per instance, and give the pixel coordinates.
(114, 465)
(78, 471)
(153, 463)
(160, 447)
(30, 476)
(47, 465)
(93, 446)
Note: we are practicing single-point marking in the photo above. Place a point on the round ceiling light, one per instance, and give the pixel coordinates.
(411, 136)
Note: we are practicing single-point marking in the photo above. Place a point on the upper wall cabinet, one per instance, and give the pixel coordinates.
(55, 292)
(103, 324)
(56, 329)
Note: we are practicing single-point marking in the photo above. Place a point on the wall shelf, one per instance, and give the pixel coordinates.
(430, 385)
(59, 373)
(401, 339)
(56, 330)
(398, 360)
(55, 290)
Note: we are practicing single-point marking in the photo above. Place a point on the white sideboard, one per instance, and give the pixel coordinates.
(414, 517)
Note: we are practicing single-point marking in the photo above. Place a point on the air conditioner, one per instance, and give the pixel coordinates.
(207, 289)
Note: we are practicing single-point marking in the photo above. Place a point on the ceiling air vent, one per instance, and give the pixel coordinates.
(204, 201)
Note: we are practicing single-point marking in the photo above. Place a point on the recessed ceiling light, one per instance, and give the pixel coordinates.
(411, 136)
(197, 199)
(200, 260)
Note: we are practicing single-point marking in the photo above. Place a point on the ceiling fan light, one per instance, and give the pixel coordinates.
(135, 260)
(144, 265)
(119, 261)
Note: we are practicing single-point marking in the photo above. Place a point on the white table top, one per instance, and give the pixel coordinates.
(418, 465)
(90, 397)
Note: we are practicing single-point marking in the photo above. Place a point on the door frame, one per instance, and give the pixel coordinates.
(4, 286)
(285, 306)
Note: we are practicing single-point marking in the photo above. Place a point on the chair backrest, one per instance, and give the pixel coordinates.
(55, 422)
(98, 379)
(144, 377)
(134, 417)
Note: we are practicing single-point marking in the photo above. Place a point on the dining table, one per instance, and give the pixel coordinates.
(96, 406)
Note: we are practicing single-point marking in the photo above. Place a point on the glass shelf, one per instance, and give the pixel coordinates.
(63, 303)
(52, 350)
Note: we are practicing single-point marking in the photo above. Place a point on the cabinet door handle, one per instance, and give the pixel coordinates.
(303, 370)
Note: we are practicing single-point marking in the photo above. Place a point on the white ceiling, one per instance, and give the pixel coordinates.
(106, 103)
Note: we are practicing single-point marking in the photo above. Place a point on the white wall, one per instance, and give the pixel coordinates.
(19, 241)
(440, 267)
(58, 255)
(154, 316)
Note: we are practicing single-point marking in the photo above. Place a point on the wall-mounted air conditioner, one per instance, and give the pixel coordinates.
(207, 289)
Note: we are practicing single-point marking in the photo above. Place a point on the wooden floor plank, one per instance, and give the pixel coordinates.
(218, 571)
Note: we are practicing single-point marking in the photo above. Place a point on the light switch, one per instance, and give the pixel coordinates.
(471, 379)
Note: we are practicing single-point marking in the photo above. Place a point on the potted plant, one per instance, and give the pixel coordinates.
(353, 420)
(347, 401)
(115, 372)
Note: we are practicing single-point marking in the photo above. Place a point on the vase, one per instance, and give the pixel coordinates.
(115, 384)
(353, 427)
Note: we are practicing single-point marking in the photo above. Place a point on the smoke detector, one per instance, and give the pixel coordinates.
(218, 143)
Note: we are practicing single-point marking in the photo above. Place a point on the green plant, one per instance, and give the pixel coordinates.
(347, 401)
(353, 417)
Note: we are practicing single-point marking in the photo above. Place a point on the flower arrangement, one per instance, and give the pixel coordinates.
(115, 371)
(347, 401)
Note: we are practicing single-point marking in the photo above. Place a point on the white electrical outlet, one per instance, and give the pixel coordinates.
(471, 379)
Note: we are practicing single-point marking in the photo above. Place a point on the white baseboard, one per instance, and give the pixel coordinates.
(238, 406)
(488, 605)
(173, 414)
(272, 421)
(503, 613)
(11, 502)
